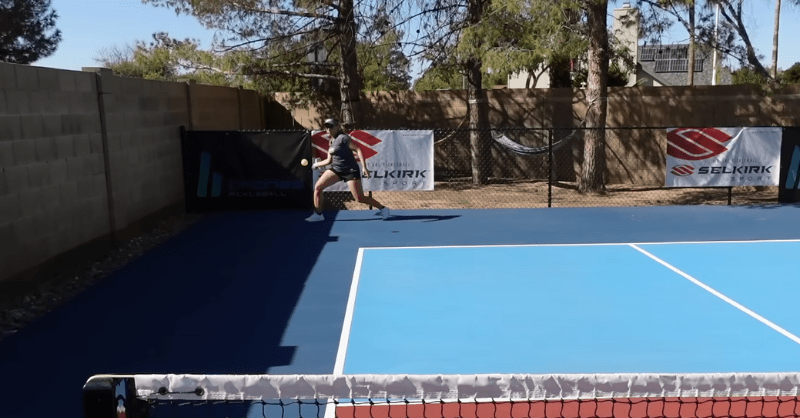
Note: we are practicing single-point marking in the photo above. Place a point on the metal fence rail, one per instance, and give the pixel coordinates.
(540, 167)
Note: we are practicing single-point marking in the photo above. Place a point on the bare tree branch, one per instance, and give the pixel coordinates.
(294, 74)
(284, 12)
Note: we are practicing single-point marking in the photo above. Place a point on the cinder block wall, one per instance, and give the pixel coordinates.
(88, 159)
(252, 115)
(52, 177)
(142, 125)
(225, 108)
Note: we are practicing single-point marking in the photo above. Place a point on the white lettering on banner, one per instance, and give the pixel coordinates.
(397, 161)
(723, 157)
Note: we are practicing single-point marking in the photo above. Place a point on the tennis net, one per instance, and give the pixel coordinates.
(445, 396)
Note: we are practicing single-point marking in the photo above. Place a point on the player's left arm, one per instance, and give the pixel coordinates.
(357, 150)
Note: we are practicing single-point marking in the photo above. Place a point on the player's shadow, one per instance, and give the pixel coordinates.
(394, 218)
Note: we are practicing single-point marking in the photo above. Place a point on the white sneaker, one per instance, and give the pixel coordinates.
(316, 217)
(385, 213)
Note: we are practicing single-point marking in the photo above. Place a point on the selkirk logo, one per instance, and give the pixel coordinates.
(365, 141)
(682, 170)
(696, 143)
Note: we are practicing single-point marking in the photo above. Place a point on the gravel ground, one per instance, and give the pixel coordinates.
(62, 288)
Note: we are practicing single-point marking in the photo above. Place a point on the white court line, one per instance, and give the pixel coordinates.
(730, 301)
(338, 369)
(344, 340)
(580, 245)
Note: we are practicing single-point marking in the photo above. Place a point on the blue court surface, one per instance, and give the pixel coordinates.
(621, 308)
(560, 290)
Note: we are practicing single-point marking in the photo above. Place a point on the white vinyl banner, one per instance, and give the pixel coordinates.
(397, 160)
(723, 157)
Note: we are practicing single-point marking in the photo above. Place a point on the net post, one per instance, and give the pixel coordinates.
(730, 193)
(112, 397)
(549, 168)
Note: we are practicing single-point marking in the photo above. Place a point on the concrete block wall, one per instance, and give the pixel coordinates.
(86, 158)
(142, 123)
(214, 107)
(52, 176)
(636, 156)
(252, 112)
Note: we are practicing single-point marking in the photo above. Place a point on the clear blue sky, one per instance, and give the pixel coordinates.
(89, 26)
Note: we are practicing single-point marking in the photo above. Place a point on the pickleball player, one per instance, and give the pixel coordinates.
(343, 167)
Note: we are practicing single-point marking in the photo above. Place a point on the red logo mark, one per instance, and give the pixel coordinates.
(320, 143)
(696, 143)
(682, 170)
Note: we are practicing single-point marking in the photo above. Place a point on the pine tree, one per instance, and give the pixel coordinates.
(27, 30)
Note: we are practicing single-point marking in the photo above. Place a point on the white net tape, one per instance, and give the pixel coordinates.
(469, 387)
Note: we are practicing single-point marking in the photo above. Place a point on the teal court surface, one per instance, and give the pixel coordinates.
(694, 289)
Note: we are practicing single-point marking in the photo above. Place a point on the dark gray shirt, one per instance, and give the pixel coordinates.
(342, 158)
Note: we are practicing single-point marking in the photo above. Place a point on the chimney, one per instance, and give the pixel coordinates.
(626, 31)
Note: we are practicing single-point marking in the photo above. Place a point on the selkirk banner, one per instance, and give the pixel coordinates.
(397, 160)
(723, 157)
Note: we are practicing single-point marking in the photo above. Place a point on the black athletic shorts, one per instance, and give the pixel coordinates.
(347, 176)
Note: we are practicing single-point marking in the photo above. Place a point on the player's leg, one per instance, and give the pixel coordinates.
(358, 193)
(326, 179)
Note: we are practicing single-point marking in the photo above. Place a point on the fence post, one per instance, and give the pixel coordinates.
(549, 168)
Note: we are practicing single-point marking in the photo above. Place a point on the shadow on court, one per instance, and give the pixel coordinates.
(423, 218)
(214, 299)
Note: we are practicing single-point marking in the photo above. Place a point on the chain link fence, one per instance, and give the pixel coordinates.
(541, 167)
